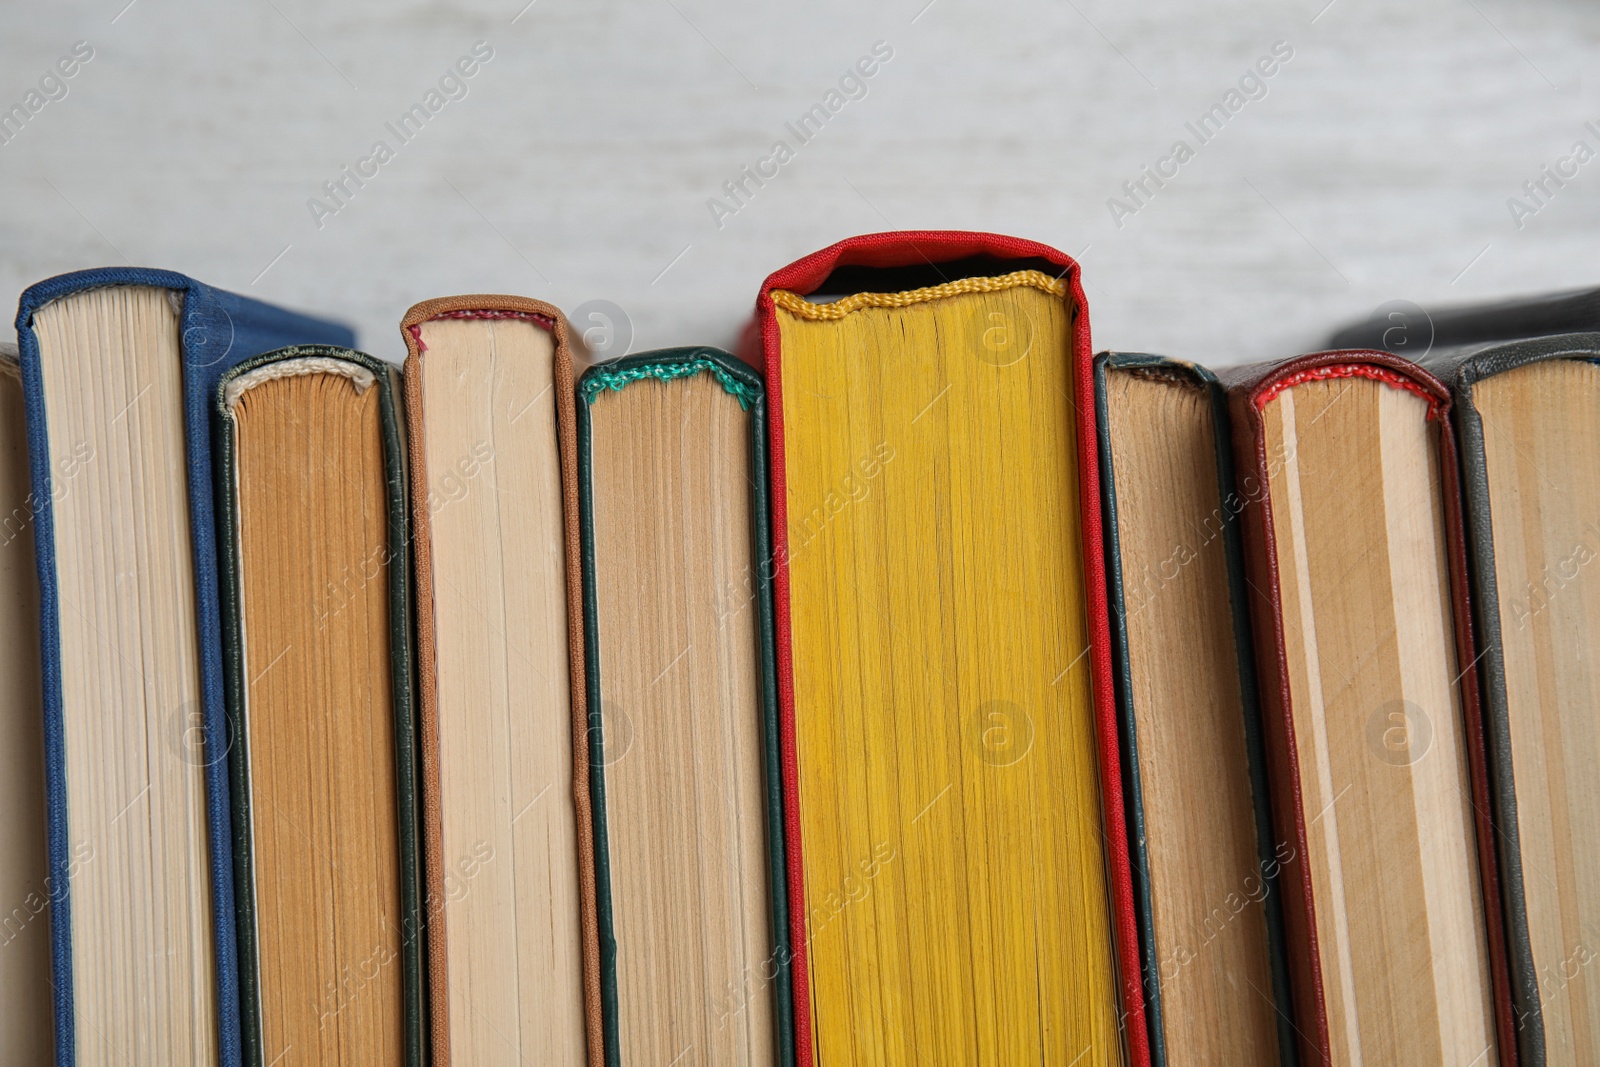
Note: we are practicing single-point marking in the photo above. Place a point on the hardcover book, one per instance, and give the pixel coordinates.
(1530, 453)
(119, 368)
(316, 613)
(683, 726)
(1204, 858)
(508, 872)
(958, 871)
(1408, 330)
(1367, 664)
(25, 1030)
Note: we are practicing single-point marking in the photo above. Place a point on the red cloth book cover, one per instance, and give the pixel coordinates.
(762, 347)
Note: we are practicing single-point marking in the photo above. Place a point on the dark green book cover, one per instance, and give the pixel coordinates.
(396, 566)
(614, 727)
(1226, 515)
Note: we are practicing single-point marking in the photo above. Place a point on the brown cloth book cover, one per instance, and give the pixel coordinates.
(434, 874)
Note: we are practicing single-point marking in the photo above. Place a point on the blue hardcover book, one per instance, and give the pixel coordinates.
(119, 370)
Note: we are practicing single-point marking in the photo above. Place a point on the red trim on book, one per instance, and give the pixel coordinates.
(415, 328)
(760, 347)
(1348, 370)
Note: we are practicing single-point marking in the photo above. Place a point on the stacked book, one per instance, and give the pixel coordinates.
(914, 687)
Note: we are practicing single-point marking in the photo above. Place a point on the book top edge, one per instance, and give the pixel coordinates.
(201, 303)
(737, 378)
(815, 311)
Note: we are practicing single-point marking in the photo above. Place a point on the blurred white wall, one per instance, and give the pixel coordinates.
(579, 164)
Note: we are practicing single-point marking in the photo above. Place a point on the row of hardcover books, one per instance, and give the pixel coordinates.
(915, 686)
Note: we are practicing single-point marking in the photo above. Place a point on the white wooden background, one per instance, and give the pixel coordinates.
(579, 165)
